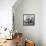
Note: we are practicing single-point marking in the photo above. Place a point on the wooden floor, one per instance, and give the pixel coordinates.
(9, 43)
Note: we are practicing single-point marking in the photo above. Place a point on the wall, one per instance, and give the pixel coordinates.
(6, 13)
(28, 7)
(43, 22)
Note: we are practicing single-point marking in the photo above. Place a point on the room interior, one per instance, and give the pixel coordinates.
(22, 23)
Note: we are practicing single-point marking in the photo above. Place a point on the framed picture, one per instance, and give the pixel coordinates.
(29, 19)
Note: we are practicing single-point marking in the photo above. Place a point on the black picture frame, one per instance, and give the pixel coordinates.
(28, 19)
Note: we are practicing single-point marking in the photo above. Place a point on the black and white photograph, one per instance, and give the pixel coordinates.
(29, 19)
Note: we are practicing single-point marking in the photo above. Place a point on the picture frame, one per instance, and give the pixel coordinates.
(28, 19)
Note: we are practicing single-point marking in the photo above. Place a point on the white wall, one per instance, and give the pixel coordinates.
(29, 7)
(6, 13)
(43, 22)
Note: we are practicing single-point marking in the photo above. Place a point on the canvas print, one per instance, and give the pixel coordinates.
(29, 19)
